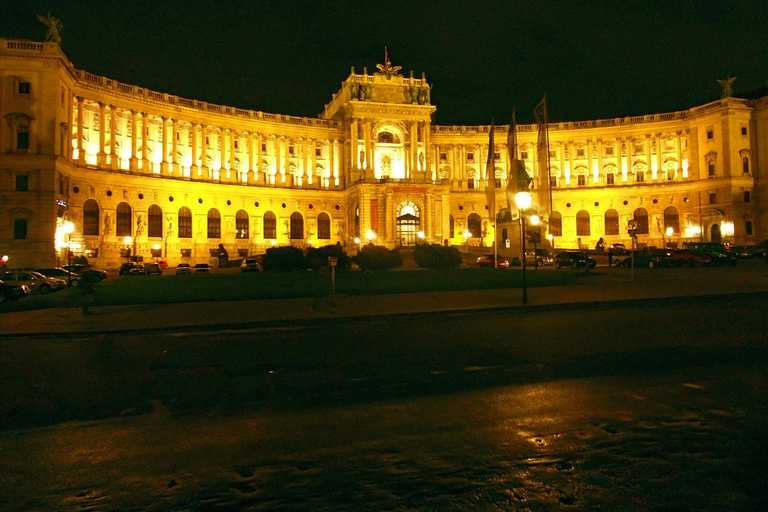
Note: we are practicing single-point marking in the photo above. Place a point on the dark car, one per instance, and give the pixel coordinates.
(154, 268)
(574, 259)
(202, 268)
(86, 270)
(138, 270)
(648, 258)
(686, 258)
(71, 278)
(718, 253)
(125, 269)
(618, 249)
(487, 261)
(11, 291)
(250, 265)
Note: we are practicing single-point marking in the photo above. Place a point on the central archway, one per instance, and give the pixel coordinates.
(408, 223)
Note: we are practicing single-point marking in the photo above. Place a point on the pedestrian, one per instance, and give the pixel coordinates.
(600, 245)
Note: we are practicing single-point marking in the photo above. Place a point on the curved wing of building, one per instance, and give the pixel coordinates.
(142, 173)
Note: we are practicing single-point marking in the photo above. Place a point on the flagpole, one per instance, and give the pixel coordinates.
(549, 166)
(492, 159)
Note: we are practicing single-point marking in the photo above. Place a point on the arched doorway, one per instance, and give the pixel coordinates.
(715, 234)
(408, 223)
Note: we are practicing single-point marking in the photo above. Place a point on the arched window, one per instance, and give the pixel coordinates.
(671, 219)
(582, 223)
(242, 225)
(270, 226)
(124, 222)
(475, 225)
(214, 223)
(297, 226)
(641, 219)
(611, 222)
(324, 226)
(357, 222)
(451, 226)
(185, 222)
(556, 224)
(155, 222)
(91, 218)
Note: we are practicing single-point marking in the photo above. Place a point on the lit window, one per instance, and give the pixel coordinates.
(318, 151)
(443, 157)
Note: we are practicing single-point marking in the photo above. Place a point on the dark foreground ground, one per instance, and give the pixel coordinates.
(653, 407)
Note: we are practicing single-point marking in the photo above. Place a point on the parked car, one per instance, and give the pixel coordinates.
(543, 257)
(36, 282)
(71, 278)
(138, 270)
(87, 270)
(618, 249)
(686, 258)
(648, 258)
(487, 261)
(162, 264)
(154, 268)
(12, 291)
(718, 253)
(202, 268)
(125, 268)
(751, 251)
(574, 259)
(250, 265)
(183, 268)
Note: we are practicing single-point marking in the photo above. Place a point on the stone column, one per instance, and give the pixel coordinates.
(658, 155)
(234, 174)
(367, 143)
(312, 147)
(335, 162)
(726, 164)
(205, 171)
(115, 158)
(414, 149)
(428, 218)
(259, 143)
(428, 153)
(353, 145)
(175, 146)
(194, 169)
(164, 166)
(134, 161)
(80, 131)
(144, 136)
(600, 156)
(102, 156)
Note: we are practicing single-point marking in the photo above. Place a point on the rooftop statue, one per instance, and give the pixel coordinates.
(387, 68)
(54, 27)
(726, 87)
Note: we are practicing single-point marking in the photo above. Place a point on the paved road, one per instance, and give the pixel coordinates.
(649, 406)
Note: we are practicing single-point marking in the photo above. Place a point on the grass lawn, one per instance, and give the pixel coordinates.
(228, 285)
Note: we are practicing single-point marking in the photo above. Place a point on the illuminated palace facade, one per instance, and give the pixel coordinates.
(138, 170)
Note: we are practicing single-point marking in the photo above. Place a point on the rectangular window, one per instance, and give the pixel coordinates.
(24, 88)
(185, 226)
(263, 147)
(747, 196)
(318, 151)
(443, 157)
(744, 131)
(608, 150)
(471, 156)
(496, 155)
(713, 198)
(22, 183)
(524, 155)
(20, 229)
(582, 180)
(22, 137)
(748, 227)
(291, 150)
(610, 178)
(186, 253)
(553, 154)
(580, 152)
(710, 134)
(640, 177)
(470, 183)
(711, 168)
(638, 149)
(553, 181)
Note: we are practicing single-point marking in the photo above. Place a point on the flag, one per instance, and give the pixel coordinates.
(517, 179)
(544, 198)
(490, 178)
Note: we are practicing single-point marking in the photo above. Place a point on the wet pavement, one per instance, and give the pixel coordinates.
(648, 405)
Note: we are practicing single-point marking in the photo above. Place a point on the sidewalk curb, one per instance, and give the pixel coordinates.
(333, 318)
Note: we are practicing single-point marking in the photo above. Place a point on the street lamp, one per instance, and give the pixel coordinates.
(523, 202)
(420, 236)
(156, 252)
(128, 241)
(467, 235)
(69, 228)
(371, 236)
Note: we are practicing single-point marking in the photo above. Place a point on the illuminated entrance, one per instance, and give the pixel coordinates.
(408, 223)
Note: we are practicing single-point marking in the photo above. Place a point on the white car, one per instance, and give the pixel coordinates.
(183, 268)
(36, 281)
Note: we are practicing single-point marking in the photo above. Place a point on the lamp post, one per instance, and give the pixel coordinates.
(370, 236)
(536, 239)
(128, 241)
(156, 252)
(467, 235)
(523, 202)
(69, 228)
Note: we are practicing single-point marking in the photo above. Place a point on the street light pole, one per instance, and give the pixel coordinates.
(523, 202)
(69, 228)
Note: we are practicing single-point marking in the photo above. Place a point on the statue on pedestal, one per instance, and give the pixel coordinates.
(726, 87)
(54, 28)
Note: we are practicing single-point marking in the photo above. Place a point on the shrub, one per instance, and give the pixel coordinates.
(377, 257)
(284, 259)
(317, 257)
(436, 256)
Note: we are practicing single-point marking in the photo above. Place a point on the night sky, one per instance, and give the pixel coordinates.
(593, 59)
